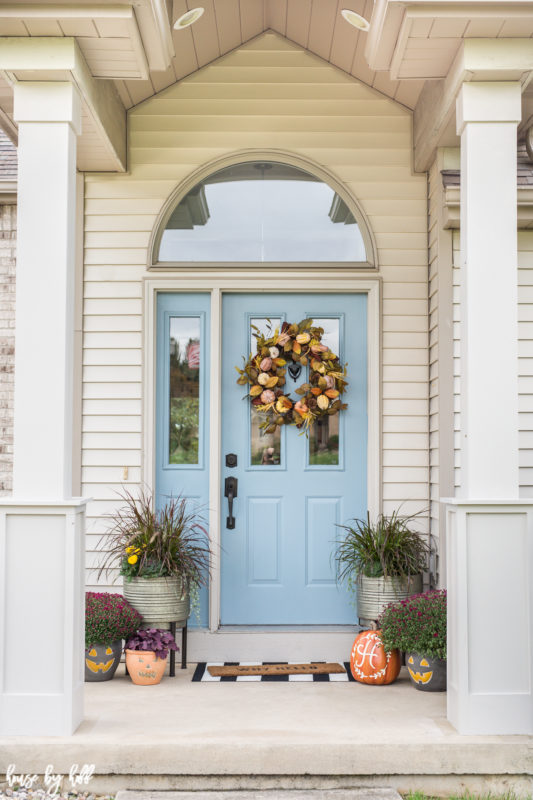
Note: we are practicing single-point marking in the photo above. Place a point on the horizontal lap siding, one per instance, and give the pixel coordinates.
(456, 359)
(525, 361)
(434, 190)
(269, 95)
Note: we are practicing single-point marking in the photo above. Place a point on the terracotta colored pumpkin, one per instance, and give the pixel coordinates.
(144, 667)
(370, 663)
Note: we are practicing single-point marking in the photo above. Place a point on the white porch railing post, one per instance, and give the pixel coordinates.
(41, 526)
(489, 530)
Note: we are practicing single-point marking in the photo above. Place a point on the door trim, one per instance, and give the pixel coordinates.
(257, 281)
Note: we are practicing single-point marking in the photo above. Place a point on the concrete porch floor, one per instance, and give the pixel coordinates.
(184, 735)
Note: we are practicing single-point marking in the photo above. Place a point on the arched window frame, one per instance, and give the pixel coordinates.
(249, 156)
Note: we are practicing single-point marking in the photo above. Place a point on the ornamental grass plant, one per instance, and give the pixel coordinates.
(386, 548)
(108, 618)
(416, 625)
(145, 541)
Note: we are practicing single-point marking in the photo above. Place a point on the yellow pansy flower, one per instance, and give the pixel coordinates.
(132, 560)
(130, 549)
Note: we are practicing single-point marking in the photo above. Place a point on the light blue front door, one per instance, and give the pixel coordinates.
(276, 564)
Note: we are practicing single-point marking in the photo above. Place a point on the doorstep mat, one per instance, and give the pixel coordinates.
(286, 671)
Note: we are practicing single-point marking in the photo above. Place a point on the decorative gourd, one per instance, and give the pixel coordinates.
(370, 663)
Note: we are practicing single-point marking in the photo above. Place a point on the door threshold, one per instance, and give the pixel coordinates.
(288, 628)
(272, 643)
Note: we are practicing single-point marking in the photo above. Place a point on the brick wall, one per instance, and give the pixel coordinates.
(8, 228)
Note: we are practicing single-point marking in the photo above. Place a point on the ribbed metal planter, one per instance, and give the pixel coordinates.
(159, 600)
(373, 594)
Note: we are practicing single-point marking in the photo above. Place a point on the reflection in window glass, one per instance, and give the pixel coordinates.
(324, 435)
(184, 390)
(261, 211)
(265, 448)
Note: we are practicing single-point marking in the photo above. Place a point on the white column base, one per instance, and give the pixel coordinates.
(490, 612)
(42, 554)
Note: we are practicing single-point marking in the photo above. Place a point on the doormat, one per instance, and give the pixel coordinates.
(286, 671)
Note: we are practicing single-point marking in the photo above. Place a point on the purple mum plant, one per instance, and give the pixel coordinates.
(416, 625)
(108, 618)
(153, 639)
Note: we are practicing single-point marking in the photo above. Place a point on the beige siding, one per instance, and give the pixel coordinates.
(525, 361)
(268, 94)
(441, 476)
(456, 360)
(434, 192)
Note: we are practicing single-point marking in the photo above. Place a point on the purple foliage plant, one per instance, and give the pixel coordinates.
(156, 640)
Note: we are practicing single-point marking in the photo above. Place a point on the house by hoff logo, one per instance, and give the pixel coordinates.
(52, 781)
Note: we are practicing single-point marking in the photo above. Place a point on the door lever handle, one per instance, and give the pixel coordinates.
(230, 491)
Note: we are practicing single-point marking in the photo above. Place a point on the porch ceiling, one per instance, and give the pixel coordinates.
(132, 44)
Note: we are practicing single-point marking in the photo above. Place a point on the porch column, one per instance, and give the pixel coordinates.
(489, 530)
(41, 525)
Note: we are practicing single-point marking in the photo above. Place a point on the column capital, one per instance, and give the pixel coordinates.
(488, 101)
(48, 101)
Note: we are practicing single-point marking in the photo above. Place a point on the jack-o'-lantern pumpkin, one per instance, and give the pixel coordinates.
(427, 674)
(370, 663)
(144, 667)
(102, 660)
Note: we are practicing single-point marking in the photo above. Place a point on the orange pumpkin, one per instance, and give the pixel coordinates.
(370, 663)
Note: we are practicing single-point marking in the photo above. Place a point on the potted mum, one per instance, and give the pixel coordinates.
(417, 626)
(381, 561)
(109, 619)
(146, 655)
(162, 554)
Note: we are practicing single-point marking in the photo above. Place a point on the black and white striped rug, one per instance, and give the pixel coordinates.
(201, 674)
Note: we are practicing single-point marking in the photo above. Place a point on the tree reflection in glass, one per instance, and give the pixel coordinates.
(184, 390)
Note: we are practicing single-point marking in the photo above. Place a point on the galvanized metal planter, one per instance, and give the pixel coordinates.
(373, 594)
(159, 600)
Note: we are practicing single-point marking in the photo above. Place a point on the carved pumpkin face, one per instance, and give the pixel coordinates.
(370, 663)
(419, 669)
(99, 666)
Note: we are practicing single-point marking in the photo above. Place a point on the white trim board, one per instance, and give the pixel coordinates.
(256, 281)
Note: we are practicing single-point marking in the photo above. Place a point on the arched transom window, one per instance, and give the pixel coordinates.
(262, 212)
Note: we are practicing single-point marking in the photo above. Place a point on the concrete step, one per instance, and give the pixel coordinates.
(270, 794)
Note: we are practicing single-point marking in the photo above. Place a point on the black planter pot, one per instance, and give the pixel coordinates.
(102, 660)
(426, 674)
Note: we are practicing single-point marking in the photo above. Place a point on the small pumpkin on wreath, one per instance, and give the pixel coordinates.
(265, 372)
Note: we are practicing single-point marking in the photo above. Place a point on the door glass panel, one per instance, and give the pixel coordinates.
(265, 448)
(184, 390)
(324, 435)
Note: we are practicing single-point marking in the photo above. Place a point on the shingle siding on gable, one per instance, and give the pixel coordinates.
(8, 228)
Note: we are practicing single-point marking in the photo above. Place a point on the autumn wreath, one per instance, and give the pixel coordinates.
(300, 344)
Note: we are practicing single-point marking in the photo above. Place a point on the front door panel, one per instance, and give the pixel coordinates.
(277, 565)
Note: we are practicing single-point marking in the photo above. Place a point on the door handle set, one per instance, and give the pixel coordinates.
(230, 491)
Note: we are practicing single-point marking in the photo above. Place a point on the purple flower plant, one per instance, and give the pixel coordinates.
(416, 625)
(108, 618)
(154, 639)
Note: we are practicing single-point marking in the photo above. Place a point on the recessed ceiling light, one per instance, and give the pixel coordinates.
(355, 19)
(188, 18)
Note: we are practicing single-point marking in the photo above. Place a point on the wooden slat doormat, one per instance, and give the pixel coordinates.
(276, 669)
